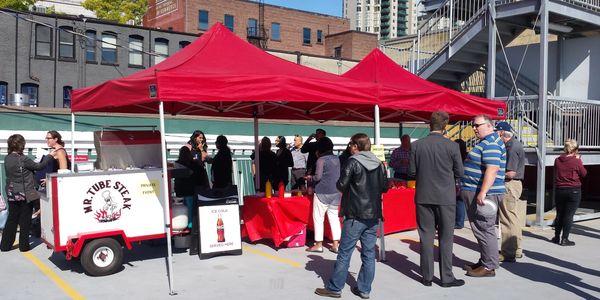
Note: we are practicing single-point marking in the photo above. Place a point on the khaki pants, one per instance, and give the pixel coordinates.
(512, 219)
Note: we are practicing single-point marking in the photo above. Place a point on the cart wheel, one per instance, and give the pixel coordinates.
(102, 257)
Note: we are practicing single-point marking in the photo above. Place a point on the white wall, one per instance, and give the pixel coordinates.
(580, 67)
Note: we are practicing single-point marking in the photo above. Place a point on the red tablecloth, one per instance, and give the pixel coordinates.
(279, 218)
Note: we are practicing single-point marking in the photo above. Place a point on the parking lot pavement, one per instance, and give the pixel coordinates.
(547, 271)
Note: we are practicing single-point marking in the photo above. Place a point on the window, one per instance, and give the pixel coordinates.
(43, 41)
(319, 36)
(67, 96)
(276, 31)
(306, 36)
(3, 93)
(252, 27)
(337, 52)
(229, 22)
(203, 19)
(31, 90)
(136, 46)
(90, 46)
(358, 9)
(66, 43)
(183, 44)
(161, 47)
(109, 48)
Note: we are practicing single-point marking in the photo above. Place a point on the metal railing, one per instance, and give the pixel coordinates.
(436, 32)
(566, 119)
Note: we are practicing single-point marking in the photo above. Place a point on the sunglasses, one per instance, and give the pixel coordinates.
(477, 125)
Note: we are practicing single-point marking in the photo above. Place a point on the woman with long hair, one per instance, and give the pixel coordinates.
(568, 173)
(20, 189)
(267, 162)
(55, 142)
(283, 162)
(222, 164)
(326, 198)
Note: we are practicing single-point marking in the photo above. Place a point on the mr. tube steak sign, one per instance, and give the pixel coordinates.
(106, 200)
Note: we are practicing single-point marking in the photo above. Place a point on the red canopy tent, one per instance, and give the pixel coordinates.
(222, 75)
(376, 67)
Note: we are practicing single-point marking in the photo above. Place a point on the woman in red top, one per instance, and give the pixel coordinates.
(568, 172)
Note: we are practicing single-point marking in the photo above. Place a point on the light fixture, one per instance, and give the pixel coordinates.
(555, 27)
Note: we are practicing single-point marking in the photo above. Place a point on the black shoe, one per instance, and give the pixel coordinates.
(566, 242)
(456, 282)
(356, 292)
(426, 282)
(327, 293)
(555, 240)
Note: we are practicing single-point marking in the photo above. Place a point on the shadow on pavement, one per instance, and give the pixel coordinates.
(324, 267)
(402, 264)
(560, 263)
(560, 279)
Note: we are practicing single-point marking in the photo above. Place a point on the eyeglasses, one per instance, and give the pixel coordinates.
(477, 125)
(49, 138)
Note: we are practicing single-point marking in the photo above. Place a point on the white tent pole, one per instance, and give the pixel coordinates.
(256, 156)
(377, 138)
(165, 177)
(72, 142)
(377, 126)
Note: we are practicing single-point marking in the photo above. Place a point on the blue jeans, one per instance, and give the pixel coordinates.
(352, 231)
(460, 213)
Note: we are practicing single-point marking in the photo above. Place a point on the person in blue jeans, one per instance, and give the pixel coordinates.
(460, 204)
(362, 182)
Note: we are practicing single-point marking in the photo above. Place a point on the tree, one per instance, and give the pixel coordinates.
(118, 10)
(17, 4)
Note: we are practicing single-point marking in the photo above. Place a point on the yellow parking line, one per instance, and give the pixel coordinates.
(273, 257)
(53, 276)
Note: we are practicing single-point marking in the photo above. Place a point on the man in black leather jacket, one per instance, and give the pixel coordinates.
(362, 182)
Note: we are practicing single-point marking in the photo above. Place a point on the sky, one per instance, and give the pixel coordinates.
(328, 7)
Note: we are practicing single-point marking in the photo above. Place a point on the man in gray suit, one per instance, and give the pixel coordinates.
(435, 161)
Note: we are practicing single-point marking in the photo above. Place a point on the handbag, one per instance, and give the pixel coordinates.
(2, 203)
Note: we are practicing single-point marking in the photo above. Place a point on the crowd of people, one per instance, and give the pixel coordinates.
(485, 182)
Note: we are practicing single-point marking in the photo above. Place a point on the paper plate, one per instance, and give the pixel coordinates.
(489, 208)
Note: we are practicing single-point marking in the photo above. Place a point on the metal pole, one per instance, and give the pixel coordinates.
(377, 141)
(490, 76)
(165, 190)
(450, 25)
(256, 156)
(543, 109)
(377, 126)
(418, 50)
(73, 142)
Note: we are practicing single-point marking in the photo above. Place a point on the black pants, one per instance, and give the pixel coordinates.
(428, 217)
(567, 202)
(19, 213)
(298, 178)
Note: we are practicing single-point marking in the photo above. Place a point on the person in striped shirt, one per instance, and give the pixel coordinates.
(484, 180)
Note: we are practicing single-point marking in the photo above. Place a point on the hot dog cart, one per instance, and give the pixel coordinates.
(94, 215)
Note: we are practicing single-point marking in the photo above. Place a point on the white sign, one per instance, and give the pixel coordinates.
(131, 202)
(219, 228)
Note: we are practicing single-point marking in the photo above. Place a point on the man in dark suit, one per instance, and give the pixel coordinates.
(435, 161)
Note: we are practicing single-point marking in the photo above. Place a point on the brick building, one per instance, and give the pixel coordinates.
(285, 29)
(46, 56)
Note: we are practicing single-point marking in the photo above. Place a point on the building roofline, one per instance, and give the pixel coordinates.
(95, 21)
(310, 55)
(351, 31)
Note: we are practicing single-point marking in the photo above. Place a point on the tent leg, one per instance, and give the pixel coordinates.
(381, 242)
(165, 176)
(256, 156)
(73, 142)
